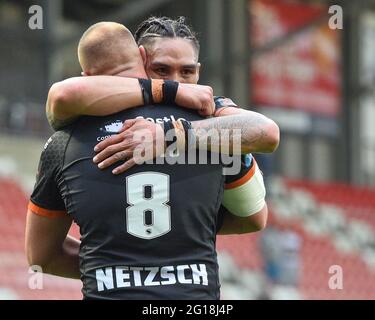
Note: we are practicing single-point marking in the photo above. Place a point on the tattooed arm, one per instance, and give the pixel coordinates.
(255, 132)
(251, 131)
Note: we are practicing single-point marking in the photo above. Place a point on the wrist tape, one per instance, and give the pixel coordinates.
(182, 134)
(158, 91)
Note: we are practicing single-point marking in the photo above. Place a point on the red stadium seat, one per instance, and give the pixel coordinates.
(319, 253)
(14, 275)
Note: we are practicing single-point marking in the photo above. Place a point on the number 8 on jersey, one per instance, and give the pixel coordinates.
(152, 205)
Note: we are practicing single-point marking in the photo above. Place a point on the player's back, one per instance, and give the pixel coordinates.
(148, 233)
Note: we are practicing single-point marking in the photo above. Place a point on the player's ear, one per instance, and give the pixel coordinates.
(143, 53)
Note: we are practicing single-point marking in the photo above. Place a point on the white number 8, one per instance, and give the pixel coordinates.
(155, 205)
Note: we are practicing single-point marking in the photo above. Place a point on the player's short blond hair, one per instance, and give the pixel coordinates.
(105, 46)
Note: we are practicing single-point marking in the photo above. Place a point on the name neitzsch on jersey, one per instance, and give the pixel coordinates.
(122, 277)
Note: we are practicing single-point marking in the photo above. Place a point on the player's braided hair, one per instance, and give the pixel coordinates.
(164, 27)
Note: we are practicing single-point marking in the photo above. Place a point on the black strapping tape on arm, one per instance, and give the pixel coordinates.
(168, 126)
(170, 91)
(146, 91)
(190, 139)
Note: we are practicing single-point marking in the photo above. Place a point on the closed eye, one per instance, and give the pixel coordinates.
(188, 72)
(161, 70)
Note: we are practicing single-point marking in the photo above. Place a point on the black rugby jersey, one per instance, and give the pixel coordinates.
(146, 234)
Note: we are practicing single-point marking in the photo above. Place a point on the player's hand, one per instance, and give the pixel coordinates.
(197, 97)
(139, 140)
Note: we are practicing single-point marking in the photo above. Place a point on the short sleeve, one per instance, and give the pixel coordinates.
(247, 169)
(46, 198)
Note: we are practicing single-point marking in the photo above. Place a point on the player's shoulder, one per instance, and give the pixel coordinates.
(58, 140)
(55, 146)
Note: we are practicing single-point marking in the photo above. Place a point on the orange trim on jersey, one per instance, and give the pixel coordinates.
(244, 179)
(45, 212)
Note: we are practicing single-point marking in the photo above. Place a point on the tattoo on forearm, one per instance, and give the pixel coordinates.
(252, 128)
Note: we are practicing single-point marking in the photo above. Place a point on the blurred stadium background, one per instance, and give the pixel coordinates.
(278, 57)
